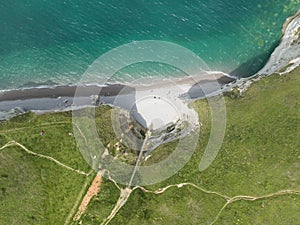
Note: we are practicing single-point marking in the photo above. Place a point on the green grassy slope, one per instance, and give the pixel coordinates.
(35, 190)
(260, 155)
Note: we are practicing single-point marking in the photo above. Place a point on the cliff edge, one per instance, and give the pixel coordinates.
(286, 57)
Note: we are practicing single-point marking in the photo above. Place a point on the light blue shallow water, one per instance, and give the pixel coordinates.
(54, 42)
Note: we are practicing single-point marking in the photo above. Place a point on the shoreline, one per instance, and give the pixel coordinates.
(284, 59)
(288, 21)
(288, 49)
(107, 90)
(61, 98)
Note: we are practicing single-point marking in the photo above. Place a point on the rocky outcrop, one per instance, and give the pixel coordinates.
(286, 56)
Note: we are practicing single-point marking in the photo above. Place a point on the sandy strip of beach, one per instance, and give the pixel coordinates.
(109, 90)
(61, 98)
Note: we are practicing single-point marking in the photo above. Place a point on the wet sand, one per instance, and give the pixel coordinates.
(61, 98)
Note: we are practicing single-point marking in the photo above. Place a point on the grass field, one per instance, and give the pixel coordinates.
(260, 155)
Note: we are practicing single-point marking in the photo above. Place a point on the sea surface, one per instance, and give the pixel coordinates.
(53, 42)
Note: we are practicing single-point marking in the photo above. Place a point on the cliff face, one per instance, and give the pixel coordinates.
(287, 54)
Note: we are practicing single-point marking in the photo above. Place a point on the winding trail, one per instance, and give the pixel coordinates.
(125, 194)
(228, 199)
(14, 143)
(162, 190)
(92, 191)
(78, 200)
(139, 159)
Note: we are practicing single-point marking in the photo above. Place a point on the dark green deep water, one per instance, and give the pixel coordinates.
(54, 41)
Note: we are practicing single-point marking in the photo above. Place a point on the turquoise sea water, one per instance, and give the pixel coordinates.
(54, 41)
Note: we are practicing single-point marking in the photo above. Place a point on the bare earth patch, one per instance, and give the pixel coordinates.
(92, 191)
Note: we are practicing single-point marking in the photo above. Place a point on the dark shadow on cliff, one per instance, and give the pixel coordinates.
(249, 67)
(206, 87)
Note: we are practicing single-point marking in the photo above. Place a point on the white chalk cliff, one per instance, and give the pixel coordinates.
(287, 54)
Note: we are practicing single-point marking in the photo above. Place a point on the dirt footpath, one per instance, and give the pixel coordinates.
(92, 191)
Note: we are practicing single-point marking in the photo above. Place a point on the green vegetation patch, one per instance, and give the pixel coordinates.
(260, 155)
